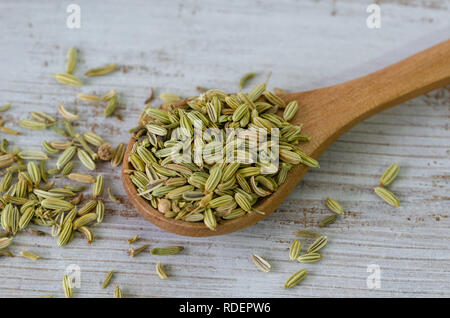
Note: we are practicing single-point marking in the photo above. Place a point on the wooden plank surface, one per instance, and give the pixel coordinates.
(176, 45)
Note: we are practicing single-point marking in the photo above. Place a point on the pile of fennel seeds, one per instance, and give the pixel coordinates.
(28, 191)
(208, 189)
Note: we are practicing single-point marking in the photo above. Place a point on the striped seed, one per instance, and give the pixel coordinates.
(389, 175)
(86, 159)
(295, 278)
(261, 263)
(67, 286)
(387, 196)
(68, 79)
(295, 249)
(309, 258)
(65, 157)
(319, 243)
(334, 206)
(328, 220)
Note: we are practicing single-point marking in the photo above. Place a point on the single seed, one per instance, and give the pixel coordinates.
(84, 178)
(112, 197)
(328, 220)
(133, 252)
(169, 98)
(93, 139)
(245, 79)
(111, 107)
(30, 155)
(56, 204)
(109, 95)
(65, 157)
(30, 255)
(133, 239)
(86, 159)
(118, 155)
(88, 98)
(290, 110)
(309, 258)
(161, 271)
(306, 233)
(67, 286)
(66, 114)
(261, 263)
(334, 206)
(295, 249)
(118, 292)
(5, 242)
(71, 60)
(67, 169)
(32, 124)
(98, 186)
(107, 279)
(83, 220)
(319, 243)
(88, 207)
(100, 211)
(4, 108)
(68, 79)
(87, 233)
(389, 175)
(101, 70)
(66, 234)
(387, 196)
(166, 250)
(295, 278)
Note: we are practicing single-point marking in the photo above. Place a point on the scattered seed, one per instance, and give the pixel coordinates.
(261, 263)
(161, 271)
(30, 255)
(172, 250)
(71, 60)
(67, 286)
(318, 244)
(133, 252)
(68, 79)
(328, 220)
(387, 196)
(107, 279)
(295, 278)
(101, 70)
(389, 175)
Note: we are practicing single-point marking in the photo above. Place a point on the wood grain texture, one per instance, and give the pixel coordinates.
(307, 44)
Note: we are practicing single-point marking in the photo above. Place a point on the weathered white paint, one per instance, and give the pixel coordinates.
(176, 45)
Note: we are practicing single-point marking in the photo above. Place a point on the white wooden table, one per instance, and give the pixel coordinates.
(174, 46)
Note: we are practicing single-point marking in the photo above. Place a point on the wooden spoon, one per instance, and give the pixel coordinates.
(326, 114)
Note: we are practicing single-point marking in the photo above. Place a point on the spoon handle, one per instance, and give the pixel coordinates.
(336, 109)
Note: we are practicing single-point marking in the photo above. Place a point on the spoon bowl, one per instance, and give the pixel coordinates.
(326, 113)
